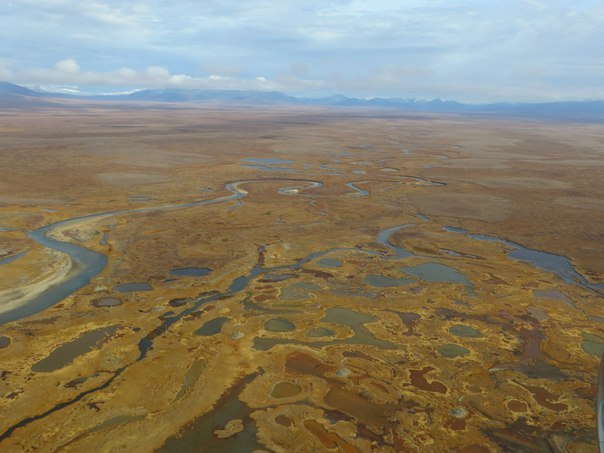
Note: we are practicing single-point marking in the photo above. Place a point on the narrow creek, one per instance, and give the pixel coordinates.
(87, 264)
(549, 262)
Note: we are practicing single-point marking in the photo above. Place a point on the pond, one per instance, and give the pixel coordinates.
(212, 327)
(279, 325)
(68, 352)
(133, 287)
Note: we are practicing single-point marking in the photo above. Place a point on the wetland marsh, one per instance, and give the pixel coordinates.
(260, 296)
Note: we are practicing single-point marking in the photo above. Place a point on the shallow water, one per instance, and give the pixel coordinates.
(461, 330)
(68, 352)
(190, 271)
(358, 190)
(451, 229)
(450, 351)
(212, 327)
(265, 168)
(10, 259)
(106, 302)
(355, 320)
(549, 262)
(193, 374)
(384, 239)
(285, 389)
(298, 291)
(436, 272)
(279, 325)
(592, 344)
(320, 332)
(334, 315)
(4, 342)
(198, 435)
(294, 190)
(553, 294)
(329, 263)
(90, 264)
(133, 287)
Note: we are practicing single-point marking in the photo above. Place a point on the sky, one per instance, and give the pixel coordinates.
(471, 51)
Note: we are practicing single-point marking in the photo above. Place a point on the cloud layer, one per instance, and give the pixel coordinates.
(467, 50)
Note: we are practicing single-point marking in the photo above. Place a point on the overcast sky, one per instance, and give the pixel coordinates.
(476, 51)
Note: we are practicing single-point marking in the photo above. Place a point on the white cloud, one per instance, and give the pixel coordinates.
(67, 75)
(68, 66)
(434, 48)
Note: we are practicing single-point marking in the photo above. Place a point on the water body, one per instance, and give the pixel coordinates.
(436, 272)
(133, 287)
(10, 259)
(266, 168)
(198, 436)
(146, 344)
(190, 271)
(384, 239)
(106, 302)
(294, 190)
(278, 277)
(549, 262)
(356, 321)
(90, 263)
(450, 351)
(554, 294)
(320, 332)
(212, 327)
(298, 291)
(463, 331)
(451, 229)
(285, 389)
(279, 325)
(387, 282)
(4, 342)
(68, 352)
(592, 344)
(335, 315)
(329, 263)
(424, 180)
(360, 192)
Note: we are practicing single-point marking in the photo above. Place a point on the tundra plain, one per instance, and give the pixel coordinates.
(298, 279)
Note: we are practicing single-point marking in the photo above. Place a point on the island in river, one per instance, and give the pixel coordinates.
(298, 279)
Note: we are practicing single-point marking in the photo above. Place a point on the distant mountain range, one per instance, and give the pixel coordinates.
(15, 96)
